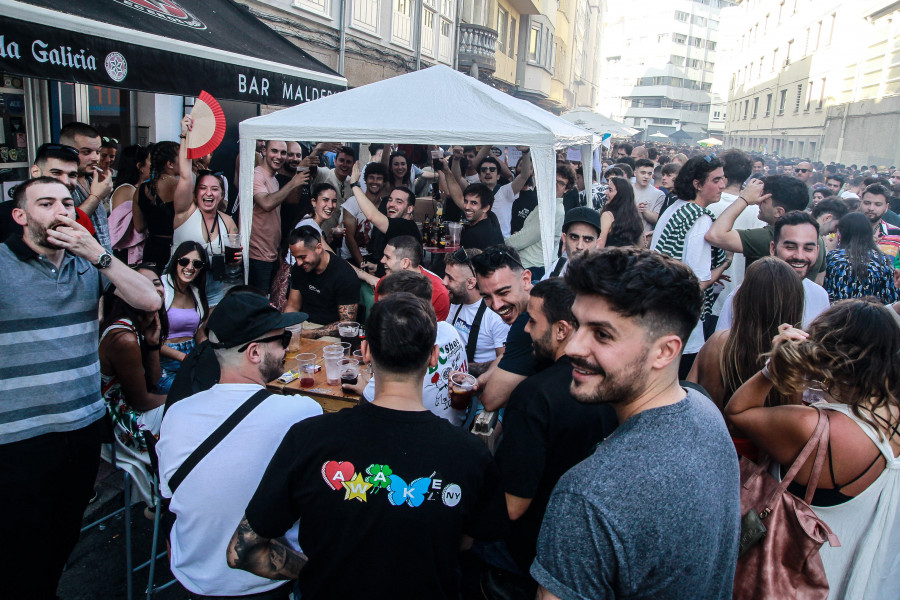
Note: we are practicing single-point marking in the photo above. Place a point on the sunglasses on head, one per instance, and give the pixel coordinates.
(284, 336)
(110, 140)
(185, 261)
(460, 256)
(493, 251)
(205, 172)
(709, 158)
(488, 169)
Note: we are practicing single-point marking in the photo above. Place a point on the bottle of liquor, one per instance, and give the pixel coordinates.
(439, 227)
(426, 231)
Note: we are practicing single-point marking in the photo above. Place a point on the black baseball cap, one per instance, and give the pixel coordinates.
(582, 214)
(242, 317)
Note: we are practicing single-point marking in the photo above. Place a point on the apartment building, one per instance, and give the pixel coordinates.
(659, 59)
(816, 79)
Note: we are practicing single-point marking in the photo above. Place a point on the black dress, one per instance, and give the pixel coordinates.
(160, 219)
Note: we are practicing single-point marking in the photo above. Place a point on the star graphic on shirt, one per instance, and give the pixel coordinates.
(356, 488)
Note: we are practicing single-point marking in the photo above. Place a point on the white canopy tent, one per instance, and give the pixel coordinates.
(437, 105)
(598, 123)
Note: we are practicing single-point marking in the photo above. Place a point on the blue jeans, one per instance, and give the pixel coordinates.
(261, 274)
(170, 366)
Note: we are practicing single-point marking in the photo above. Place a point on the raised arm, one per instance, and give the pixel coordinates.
(525, 172)
(722, 234)
(350, 237)
(449, 181)
(184, 189)
(262, 556)
(371, 211)
(133, 287)
(269, 202)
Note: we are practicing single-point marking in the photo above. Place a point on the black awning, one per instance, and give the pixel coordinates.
(165, 46)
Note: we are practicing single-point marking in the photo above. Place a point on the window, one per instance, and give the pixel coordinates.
(809, 93)
(401, 23)
(817, 36)
(320, 7)
(831, 20)
(746, 108)
(364, 15)
(682, 16)
(799, 96)
(678, 61)
(446, 41)
(427, 42)
(781, 101)
(821, 95)
(511, 46)
(787, 54)
(710, 45)
(534, 43)
(717, 115)
(774, 59)
(679, 38)
(768, 104)
(502, 31)
(755, 106)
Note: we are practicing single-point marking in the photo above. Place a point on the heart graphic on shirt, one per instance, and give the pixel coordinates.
(336, 473)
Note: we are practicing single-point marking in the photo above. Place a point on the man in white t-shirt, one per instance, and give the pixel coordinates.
(468, 311)
(505, 195)
(797, 243)
(248, 336)
(738, 168)
(452, 357)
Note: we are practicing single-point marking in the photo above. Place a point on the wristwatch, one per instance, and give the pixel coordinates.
(104, 260)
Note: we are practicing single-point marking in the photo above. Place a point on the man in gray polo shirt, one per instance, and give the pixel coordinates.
(50, 402)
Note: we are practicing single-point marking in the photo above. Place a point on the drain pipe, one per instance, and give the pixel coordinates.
(419, 14)
(343, 42)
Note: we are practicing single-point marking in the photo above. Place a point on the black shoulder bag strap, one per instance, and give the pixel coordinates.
(472, 343)
(559, 266)
(217, 436)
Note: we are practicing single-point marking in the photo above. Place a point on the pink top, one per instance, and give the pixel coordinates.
(183, 322)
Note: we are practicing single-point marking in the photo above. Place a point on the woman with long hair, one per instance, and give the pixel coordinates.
(850, 353)
(620, 221)
(857, 268)
(197, 215)
(134, 169)
(129, 350)
(184, 282)
(154, 212)
(771, 294)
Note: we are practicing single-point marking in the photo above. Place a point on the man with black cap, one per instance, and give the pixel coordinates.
(208, 500)
(581, 231)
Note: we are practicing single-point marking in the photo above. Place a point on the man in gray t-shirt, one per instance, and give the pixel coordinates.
(654, 512)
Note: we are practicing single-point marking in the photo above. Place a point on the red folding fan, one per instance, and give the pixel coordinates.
(209, 126)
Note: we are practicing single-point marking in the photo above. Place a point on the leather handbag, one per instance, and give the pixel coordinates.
(784, 563)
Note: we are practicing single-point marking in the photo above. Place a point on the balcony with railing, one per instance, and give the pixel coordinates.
(477, 46)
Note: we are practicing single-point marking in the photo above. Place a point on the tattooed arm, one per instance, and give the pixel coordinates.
(346, 312)
(262, 556)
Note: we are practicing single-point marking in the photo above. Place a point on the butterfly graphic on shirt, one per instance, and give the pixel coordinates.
(413, 494)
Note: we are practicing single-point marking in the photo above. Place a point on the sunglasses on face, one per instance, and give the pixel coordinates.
(185, 261)
(801, 170)
(284, 336)
(488, 169)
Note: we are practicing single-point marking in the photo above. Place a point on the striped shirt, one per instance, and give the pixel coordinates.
(49, 365)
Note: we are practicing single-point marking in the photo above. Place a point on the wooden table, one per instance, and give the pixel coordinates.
(332, 398)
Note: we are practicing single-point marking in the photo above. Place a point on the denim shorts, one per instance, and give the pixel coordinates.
(170, 366)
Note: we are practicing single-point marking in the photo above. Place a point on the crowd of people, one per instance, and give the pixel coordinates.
(703, 308)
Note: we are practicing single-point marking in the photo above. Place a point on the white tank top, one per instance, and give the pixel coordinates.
(193, 230)
(867, 563)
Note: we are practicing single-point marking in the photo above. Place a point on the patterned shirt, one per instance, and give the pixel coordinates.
(98, 218)
(841, 283)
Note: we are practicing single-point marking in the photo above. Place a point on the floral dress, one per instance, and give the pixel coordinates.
(128, 422)
(841, 283)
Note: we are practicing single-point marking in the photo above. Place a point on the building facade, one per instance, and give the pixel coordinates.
(544, 51)
(659, 59)
(817, 80)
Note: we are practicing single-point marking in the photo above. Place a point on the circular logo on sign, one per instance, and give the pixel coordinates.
(167, 10)
(451, 495)
(116, 66)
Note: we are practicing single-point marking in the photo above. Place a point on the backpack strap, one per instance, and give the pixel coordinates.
(559, 266)
(472, 342)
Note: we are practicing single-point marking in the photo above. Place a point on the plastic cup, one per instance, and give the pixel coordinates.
(349, 332)
(295, 330)
(333, 366)
(346, 346)
(349, 370)
(306, 368)
(462, 386)
(455, 233)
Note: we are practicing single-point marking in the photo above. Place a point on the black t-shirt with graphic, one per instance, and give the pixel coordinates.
(546, 432)
(521, 208)
(383, 497)
(321, 294)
